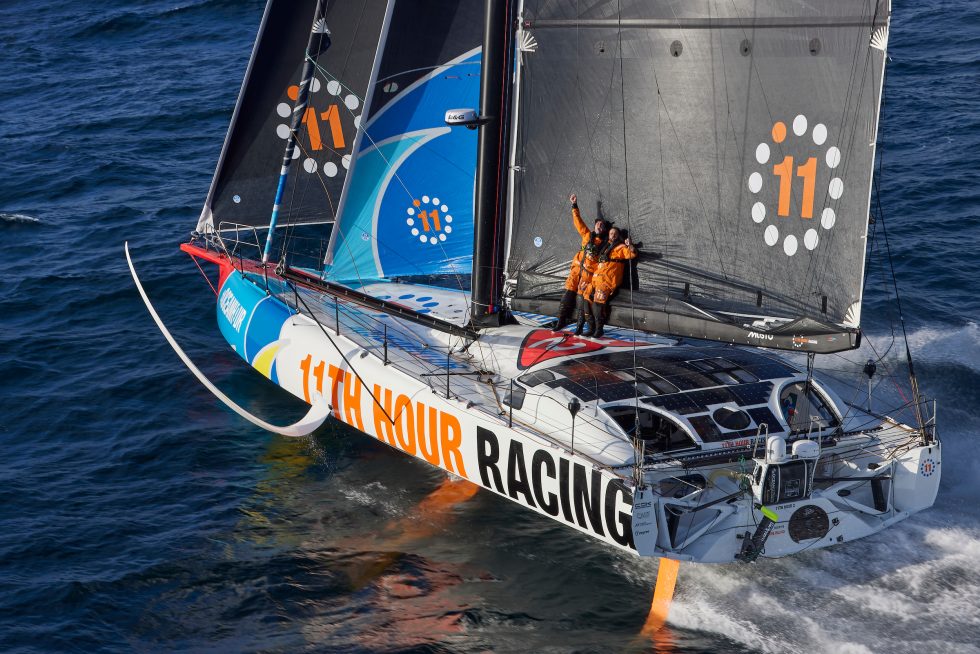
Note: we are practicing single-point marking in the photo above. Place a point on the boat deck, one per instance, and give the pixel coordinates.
(478, 373)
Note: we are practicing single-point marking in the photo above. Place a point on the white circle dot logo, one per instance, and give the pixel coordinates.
(324, 133)
(794, 170)
(828, 218)
(819, 134)
(429, 220)
(799, 125)
(833, 157)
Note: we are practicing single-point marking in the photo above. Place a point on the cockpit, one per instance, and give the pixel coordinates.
(685, 397)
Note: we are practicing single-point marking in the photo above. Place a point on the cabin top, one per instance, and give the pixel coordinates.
(716, 394)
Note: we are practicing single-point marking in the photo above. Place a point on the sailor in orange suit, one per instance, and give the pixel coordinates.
(583, 265)
(613, 258)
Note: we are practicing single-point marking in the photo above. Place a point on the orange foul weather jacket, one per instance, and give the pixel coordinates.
(587, 260)
(609, 273)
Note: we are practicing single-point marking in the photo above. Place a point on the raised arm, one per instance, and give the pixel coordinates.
(580, 225)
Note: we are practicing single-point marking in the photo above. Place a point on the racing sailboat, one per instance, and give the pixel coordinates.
(440, 139)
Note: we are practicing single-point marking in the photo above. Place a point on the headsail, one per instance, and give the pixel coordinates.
(408, 209)
(734, 140)
(244, 184)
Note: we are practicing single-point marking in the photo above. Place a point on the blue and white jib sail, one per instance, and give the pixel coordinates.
(408, 206)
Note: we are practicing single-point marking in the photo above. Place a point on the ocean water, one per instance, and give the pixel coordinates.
(136, 514)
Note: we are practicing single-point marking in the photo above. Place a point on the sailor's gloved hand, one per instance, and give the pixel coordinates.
(573, 198)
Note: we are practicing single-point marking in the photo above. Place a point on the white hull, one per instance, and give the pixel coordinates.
(401, 395)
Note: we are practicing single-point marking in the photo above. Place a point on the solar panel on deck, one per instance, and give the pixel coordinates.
(687, 378)
(678, 403)
(762, 415)
(749, 394)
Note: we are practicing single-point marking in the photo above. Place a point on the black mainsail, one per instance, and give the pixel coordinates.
(244, 185)
(734, 140)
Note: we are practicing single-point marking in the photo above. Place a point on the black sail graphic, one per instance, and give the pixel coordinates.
(244, 185)
(734, 140)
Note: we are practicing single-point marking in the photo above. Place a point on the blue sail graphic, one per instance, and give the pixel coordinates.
(409, 204)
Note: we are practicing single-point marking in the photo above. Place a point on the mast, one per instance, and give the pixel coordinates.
(491, 179)
(319, 41)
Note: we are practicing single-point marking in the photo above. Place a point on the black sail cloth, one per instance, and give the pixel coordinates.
(244, 185)
(734, 140)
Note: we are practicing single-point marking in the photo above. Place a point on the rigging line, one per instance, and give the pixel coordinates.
(350, 51)
(901, 318)
(308, 57)
(629, 226)
(343, 356)
(714, 114)
(306, 152)
(361, 318)
(388, 165)
(729, 127)
(294, 190)
(418, 70)
(408, 334)
(876, 187)
(860, 40)
(394, 328)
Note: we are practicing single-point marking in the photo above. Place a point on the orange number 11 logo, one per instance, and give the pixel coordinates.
(808, 172)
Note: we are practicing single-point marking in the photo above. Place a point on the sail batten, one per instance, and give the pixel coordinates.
(735, 141)
(706, 23)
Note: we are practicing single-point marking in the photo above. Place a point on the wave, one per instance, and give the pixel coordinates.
(960, 344)
(909, 589)
(930, 346)
(18, 218)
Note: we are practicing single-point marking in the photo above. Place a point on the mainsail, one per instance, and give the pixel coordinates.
(408, 209)
(734, 140)
(244, 184)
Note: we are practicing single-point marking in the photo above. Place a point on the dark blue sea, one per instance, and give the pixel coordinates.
(137, 514)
